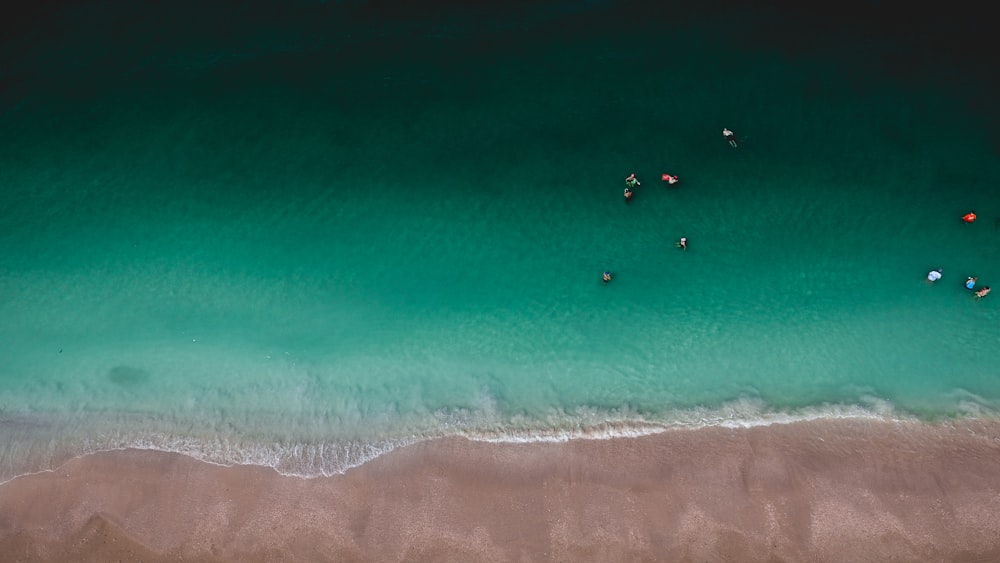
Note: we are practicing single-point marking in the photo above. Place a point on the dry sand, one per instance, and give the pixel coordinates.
(834, 490)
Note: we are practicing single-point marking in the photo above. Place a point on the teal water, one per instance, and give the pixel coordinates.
(297, 254)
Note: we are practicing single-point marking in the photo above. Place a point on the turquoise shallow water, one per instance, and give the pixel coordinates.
(292, 254)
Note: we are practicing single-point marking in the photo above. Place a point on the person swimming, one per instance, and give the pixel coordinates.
(970, 282)
(983, 292)
(631, 181)
(628, 195)
(729, 136)
(934, 275)
(683, 243)
(607, 277)
(671, 179)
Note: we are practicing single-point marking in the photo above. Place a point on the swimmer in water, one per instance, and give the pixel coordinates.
(671, 179)
(683, 243)
(970, 282)
(729, 136)
(631, 181)
(934, 275)
(607, 277)
(983, 292)
(628, 195)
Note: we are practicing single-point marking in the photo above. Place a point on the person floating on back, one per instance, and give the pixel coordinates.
(934, 275)
(630, 182)
(607, 277)
(983, 292)
(969, 217)
(970, 282)
(670, 179)
(729, 136)
(683, 243)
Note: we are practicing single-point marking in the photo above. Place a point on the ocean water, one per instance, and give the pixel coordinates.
(302, 237)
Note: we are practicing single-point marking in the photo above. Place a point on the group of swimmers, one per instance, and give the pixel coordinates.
(632, 182)
(970, 283)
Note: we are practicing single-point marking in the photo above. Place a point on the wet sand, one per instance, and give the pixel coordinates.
(834, 490)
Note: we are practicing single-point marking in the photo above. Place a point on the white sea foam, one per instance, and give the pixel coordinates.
(308, 459)
(743, 413)
(299, 459)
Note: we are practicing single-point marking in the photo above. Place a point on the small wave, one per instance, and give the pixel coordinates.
(744, 413)
(303, 460)
(310, 460)
(40, 451)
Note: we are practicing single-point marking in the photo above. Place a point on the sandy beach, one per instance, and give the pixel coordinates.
(847, 490)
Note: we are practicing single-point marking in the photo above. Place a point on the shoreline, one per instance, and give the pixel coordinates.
(31, 453)
(821, 490)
